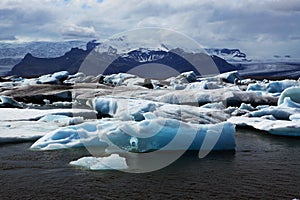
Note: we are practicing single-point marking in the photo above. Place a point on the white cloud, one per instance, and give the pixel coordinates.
(253, 25)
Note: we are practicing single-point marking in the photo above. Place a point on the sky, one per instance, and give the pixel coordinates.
(257, 27)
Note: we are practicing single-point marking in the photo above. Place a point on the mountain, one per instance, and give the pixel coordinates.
(31, 66)
(110, 62)
(230, 55)
(12, 53)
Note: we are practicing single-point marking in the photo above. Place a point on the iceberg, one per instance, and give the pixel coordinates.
(273, 86)
(117, 79)
(230, 77)
(9, 102)
(133, 109)
(69, 137)
(293, 93)
(274, 127)
(153, 133)
(282, 111)
(114, 161)
(295, 117)
(56, 78)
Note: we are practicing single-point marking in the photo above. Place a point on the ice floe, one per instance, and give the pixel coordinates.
(9, 102)
(18, 131)
(114, 161)
(273, 86)
(282, 119)
(293, 93)
(275, 127)
(13, 114)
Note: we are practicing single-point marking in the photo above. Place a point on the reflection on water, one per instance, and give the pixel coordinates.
(263, 166)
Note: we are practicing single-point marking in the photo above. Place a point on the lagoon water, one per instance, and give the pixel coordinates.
(263, 167)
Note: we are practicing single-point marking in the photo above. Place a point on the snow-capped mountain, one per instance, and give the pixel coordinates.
(230, 55)
(12, 53)
(121, 55)
(110, 61)
(143, 55)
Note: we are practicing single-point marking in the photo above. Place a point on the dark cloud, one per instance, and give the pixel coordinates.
(74, 31)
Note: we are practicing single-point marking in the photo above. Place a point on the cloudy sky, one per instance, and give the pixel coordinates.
(258, 27)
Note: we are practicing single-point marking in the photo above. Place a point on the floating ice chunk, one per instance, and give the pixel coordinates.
(203, 85)
(278, 113)
(232, 97)
(293, 93)
(273, 86)
(158, 133)
(8, 84)
(63, 104)
(9, 102)
(288, 103)
(117, 79)
(218, 106)
(69, 137)
(275, 127)
(283, 111)
(197, 86)
(149, 134)
(55, 78)
(177, 85)
(18, 131)
(82, 78)
(246, 107)
(123, 108)
(189, 76)
(105, 106)
(62, 120)
(114, 161)
(295, 117)
(134, 109)
(230, 77)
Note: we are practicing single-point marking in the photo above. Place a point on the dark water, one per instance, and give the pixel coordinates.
(263, 167)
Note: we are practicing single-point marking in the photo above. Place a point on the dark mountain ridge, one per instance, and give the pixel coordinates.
(71, 61)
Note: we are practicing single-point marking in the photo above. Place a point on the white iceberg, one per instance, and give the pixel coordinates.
(9, 102)
(55, 78)
(230, 77)
(114, 161)
(295, 117)
(282, 111)
(275, 127)
(133, 109)
(117, 79)
(273, 86)
(293, 93)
